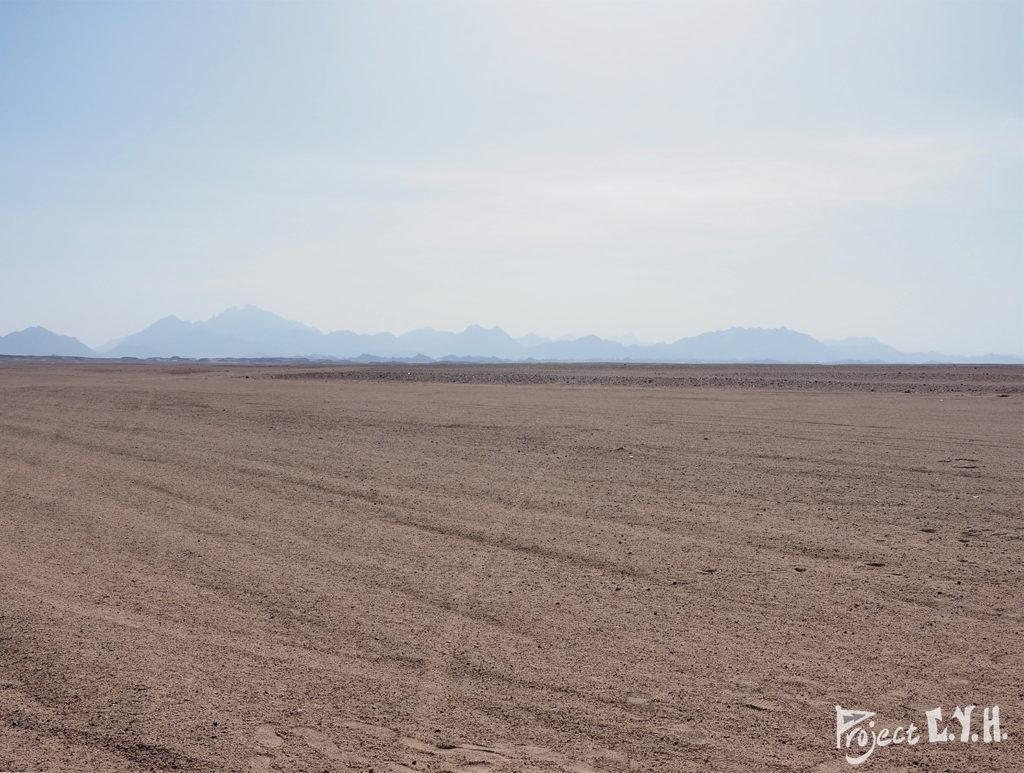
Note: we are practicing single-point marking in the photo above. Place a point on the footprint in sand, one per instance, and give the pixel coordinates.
(540, 754)
(609, 759)
(260, 764)
(689, 733)
(418, 745)
(377, 731)
(480, 759)
(267, 736)
(470, 758)
(324, 745)
(464, 757)
(1010, 659)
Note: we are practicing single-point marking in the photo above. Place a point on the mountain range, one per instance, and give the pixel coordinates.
(252, 333)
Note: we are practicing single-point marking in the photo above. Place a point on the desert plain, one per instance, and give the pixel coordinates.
(461, 568)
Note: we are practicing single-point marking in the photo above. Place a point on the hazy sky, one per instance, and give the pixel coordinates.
(840, 168)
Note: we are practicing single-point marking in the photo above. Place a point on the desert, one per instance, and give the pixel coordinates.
(505, 568)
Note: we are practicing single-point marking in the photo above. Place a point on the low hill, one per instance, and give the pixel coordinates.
(40, 342)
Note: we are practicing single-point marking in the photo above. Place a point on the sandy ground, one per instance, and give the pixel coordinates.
(505, 569)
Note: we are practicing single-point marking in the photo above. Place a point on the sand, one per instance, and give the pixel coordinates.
(546, 568)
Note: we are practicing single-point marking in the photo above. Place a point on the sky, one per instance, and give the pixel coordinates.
(659, 169)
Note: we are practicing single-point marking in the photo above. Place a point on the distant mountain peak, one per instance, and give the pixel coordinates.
(253, 315)
(37, 341)
(248, 310)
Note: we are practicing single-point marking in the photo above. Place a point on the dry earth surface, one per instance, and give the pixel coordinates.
(505, 568)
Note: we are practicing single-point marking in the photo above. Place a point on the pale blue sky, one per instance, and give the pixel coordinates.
(840, 168)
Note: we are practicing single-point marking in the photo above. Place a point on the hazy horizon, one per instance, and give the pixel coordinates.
(656, 169)
(626, 338)
(251, 323)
